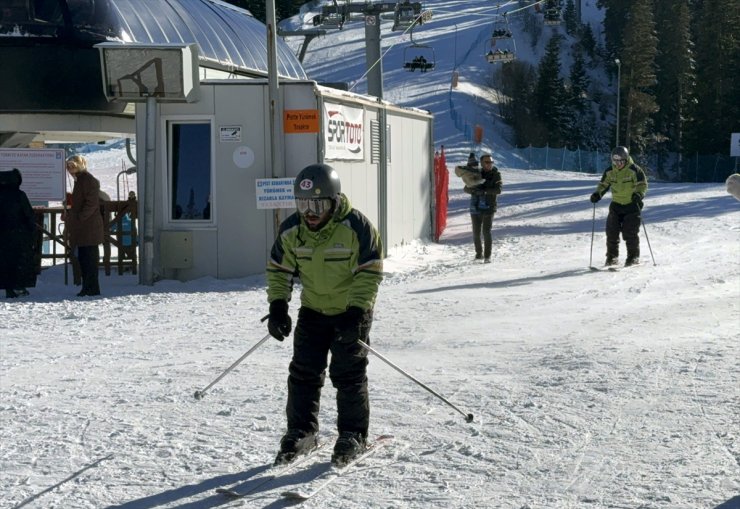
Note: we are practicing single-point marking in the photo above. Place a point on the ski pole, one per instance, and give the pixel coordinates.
(468, 417)
(648, 240)
(593, 230)
(201, 393)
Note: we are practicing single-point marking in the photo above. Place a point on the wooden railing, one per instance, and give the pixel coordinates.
(120, 223)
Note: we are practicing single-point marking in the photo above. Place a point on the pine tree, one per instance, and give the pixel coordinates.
(675, 74)
(569, 16)
(580, 121)
(549, 95)
(588, 41)
(615, 18)
(717, 107)
(638, 75)
(515, 82)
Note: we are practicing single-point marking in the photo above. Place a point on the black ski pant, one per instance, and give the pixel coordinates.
(482, 228)
(624, 219)
(89, 257)
(314, 338)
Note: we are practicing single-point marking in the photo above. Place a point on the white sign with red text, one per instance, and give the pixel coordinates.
(343, 132)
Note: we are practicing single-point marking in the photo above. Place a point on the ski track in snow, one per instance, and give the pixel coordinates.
(589, 389)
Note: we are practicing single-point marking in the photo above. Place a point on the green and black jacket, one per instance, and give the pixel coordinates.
(340, 265)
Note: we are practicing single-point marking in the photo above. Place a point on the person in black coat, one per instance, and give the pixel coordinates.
(483, 206)
(17, 226)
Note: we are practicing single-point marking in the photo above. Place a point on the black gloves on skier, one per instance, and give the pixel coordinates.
(595, 197)
(637, 200)
(279, 323)
(354, 324)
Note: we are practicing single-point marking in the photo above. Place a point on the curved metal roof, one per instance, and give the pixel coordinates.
(229, 38)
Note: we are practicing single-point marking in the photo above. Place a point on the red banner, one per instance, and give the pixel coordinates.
(441, 196)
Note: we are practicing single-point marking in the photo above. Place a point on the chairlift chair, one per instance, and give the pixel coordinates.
(552, 17)
(418, 56)
(405, 15)
(332, 16)
(501, 28)
(500, 50)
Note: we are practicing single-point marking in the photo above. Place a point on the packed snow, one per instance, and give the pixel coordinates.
(590, 389)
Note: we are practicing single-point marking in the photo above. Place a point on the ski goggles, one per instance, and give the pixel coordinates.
(315, 206)
(618, 160)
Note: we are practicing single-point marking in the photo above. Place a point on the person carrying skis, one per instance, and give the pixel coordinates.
(338, 256)
(628, 185)
(483, 206)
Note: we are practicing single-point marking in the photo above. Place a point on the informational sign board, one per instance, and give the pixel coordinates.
(43, 171)
(227, 133)
(301, 121)
(735, 145)
(343, 131)
(275, 193)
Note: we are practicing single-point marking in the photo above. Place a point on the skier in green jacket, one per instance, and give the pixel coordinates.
(337, 254)
(628, 185)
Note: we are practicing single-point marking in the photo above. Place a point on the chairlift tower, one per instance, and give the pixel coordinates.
(405, 14)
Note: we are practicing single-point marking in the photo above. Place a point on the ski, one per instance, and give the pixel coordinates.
(322, 481)
(617, 269)
(605, 268)
(273, 473)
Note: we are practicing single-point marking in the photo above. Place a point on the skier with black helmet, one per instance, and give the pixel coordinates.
(337, 254)
(628, 185)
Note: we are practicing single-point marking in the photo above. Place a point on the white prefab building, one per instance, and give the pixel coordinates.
(215, 185)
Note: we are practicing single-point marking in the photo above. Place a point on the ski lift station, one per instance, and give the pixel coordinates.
(219, 136)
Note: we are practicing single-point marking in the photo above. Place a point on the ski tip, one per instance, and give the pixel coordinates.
(294, 495)
(228, 492)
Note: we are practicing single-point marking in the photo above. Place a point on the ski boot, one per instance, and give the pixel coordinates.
(349, 445)
(295, 443)
(632, 260)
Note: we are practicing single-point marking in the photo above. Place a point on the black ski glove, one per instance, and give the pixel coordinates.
(354, 324)
(637, 200)
(279, 323)
(595, 197)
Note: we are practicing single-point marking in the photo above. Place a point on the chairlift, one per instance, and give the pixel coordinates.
(552, 13)
(332, 16)
(405, 15)
(418, 56)
(500, 50)
(501, 28)
(552, 17)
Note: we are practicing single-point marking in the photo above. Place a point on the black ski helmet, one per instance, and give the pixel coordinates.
(317, 181)
(621, 152)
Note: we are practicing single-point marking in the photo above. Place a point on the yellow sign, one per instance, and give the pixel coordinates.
(301, 121)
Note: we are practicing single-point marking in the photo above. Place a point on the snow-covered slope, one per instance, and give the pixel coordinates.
(458, 36)
(589, 389)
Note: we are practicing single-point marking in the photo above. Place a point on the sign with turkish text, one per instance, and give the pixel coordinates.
(301, 121)
(43, 171)
(275, 193)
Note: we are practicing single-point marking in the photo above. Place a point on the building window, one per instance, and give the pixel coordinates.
(190, 171)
